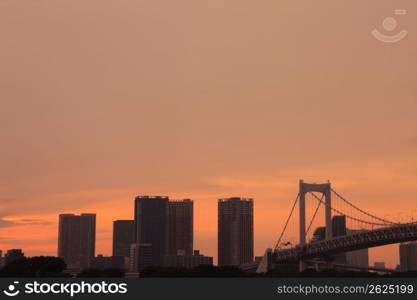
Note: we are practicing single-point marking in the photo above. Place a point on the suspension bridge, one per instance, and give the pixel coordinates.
(347, 228)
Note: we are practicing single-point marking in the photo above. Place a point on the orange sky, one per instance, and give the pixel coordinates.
(103, 100)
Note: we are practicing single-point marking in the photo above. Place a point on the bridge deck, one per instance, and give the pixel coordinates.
(367, 239)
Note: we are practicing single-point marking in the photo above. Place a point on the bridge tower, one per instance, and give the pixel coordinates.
(325, 189)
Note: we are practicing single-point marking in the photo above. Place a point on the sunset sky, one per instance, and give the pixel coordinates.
(105, 100)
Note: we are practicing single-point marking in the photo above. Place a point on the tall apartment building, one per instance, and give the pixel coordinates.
(77, 239)
(151, 215)
(339, 226)
(339, 229)
(123, 237)
(235, 231)
(408, 257)
(180, 227)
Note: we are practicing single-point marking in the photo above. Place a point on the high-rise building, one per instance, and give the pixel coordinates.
(319, 234)
(180, 227)
(339, 226)
(123, 237)
(140, 257)
(357, 258)
(339, 229)
(408, 257)
(151, 215)
(235, 231)
(77, 239)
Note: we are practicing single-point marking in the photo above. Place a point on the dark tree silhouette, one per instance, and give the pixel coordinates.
(40, 266)
(200, 271)
(91, 273)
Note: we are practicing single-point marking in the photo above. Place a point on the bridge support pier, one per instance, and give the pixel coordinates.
(302, 265)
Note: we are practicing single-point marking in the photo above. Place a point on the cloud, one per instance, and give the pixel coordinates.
(258, 182)
(27, 241)
(62, 202)
(8, 222)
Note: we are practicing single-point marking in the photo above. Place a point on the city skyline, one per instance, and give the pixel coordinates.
(202, 101)
(180, 213)
(294, 239)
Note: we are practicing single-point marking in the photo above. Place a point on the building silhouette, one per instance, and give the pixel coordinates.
(141, 256)
(339, 226)
(188, 261)
(77, 239)
(319, 234)
(123, 237)
(379, 265)
(180, 227)
(357, 258)
(339, 229)
(408, 257)
(13, 254)
(102, 262)
(235, 231)
(151, 215)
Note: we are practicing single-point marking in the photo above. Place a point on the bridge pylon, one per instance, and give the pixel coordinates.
(325, 189)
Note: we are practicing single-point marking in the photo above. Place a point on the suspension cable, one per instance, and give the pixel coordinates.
(350, 217)
(362, 211)
(315, 213)
(286, 223)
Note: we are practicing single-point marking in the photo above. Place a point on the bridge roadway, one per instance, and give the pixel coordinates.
(352, 267)
(366, 239)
